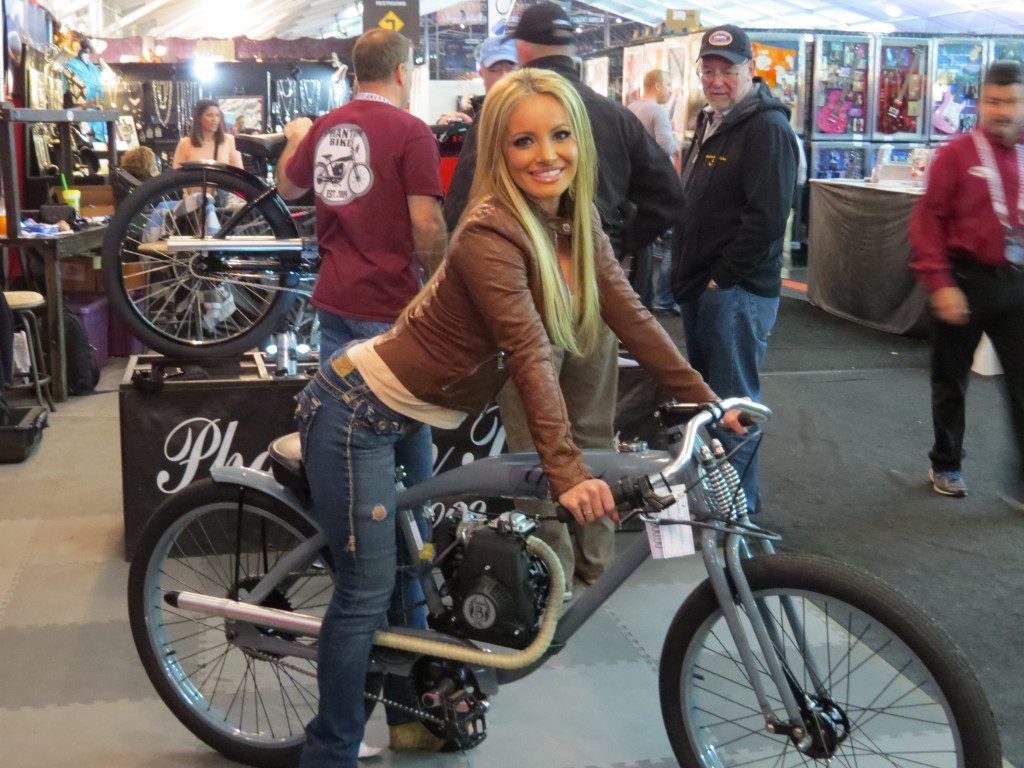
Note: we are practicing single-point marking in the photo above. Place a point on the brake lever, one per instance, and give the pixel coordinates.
(637, 493)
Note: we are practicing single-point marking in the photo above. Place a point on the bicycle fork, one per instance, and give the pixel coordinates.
(721, 572)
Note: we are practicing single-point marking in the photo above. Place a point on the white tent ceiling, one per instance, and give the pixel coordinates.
(317, 18)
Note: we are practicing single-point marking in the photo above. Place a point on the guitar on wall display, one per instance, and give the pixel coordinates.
(896, 120)
(832, 117)
(947, 115)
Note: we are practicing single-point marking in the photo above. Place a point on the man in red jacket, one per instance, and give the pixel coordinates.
(967, 234)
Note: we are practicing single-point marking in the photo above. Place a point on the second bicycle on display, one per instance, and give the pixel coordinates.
(208, 261)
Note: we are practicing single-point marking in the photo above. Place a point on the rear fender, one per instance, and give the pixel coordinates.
(263, 482)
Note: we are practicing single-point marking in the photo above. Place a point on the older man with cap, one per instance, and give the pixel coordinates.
(739, 177)
(495, 58)
(638, 195)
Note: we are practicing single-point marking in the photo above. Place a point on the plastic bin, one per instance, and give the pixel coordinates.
(22, 433)
(93, 310)
(120, 342)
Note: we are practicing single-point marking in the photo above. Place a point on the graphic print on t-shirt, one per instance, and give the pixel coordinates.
(342, 172)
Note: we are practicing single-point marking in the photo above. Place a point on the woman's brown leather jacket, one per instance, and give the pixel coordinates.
(482, 323)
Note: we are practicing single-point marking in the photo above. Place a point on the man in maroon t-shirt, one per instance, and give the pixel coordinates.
(375, 173)
(967, 233)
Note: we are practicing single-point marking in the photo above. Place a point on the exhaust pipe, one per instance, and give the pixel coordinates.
(309, 626)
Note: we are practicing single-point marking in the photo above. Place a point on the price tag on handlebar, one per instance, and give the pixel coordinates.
(672, 540)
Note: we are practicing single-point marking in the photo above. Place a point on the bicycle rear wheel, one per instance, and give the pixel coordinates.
(191, 303)
(895, 691)
(249, 704)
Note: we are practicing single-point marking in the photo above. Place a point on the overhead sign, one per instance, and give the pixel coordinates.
(397, 15)
(498, 12)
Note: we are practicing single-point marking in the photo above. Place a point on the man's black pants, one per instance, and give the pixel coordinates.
(996, 300)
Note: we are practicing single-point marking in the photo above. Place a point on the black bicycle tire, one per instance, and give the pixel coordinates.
(117, 292)
(197, 494)
(936, 651)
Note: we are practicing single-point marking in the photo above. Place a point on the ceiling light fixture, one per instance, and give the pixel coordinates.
(892, 11)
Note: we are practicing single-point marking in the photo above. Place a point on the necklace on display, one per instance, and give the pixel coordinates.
(187, 98)
(163, 103)
(285, 90)
(309, 97)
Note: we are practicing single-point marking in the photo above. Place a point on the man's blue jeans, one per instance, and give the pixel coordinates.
(348, 449)
(662, 252)
(727, 333)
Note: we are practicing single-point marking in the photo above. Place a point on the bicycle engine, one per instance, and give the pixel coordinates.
(497, 588)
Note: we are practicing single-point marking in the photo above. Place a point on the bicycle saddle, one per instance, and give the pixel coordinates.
(262, 145)
(286, 462)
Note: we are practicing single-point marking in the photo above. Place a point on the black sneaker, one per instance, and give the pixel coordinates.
(949, 483)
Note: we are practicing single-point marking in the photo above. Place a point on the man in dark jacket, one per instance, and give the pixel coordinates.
(739, 177)
(638, 192)
(638, 195)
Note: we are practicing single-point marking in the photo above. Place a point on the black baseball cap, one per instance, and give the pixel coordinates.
(544, 24)
(728, 41)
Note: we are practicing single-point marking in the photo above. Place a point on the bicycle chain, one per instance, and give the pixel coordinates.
(379, 699)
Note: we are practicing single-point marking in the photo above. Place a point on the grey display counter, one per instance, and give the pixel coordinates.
(859, 253)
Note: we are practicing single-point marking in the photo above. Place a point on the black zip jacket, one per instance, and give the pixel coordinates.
(638, 191)
(739, 186)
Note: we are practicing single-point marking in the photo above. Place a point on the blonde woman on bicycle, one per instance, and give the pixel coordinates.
(528, 269)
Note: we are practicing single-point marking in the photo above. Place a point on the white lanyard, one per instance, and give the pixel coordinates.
(995, 180)
(371, 97)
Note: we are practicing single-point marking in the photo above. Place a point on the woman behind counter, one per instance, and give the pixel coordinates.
(208, 140)
(527, 268)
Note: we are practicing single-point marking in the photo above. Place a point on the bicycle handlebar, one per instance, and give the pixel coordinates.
(628, 490)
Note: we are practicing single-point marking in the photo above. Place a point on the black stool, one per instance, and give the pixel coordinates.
(24, 304)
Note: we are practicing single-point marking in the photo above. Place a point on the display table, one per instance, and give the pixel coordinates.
(48, 252)
(859, 255)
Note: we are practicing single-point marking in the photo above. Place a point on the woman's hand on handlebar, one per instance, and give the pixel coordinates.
(589, 500)
(731, 421)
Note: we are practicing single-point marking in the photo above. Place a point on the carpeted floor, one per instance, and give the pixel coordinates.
(845, 474)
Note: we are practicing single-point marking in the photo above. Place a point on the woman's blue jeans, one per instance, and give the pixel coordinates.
(415, 453)
(348, 448)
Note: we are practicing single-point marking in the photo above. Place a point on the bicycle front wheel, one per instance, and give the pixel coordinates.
(879, 684)
(202, 303)
(251, 705)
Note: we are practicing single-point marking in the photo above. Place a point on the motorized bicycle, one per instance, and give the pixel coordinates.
(774, 659)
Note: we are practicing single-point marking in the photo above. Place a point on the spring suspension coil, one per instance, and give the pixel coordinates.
(732, 478)
(722, 482)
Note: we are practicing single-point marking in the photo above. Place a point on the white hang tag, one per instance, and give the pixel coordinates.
(672, 540)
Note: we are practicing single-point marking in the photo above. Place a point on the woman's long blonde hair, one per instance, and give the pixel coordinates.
(572, 321)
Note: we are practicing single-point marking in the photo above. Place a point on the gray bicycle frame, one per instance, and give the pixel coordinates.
(724, 545)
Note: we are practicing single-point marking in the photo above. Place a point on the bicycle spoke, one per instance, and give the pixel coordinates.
(884, 690)
(200, 298)
(238, 691)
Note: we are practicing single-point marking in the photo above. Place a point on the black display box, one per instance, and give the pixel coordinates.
(22, 433)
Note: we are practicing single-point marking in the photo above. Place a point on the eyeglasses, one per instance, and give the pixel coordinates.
(708, 75)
